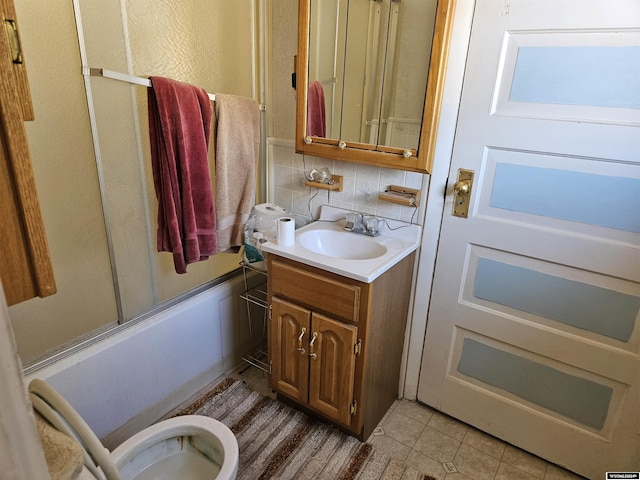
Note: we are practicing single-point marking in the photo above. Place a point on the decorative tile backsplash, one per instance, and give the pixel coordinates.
(361, 184)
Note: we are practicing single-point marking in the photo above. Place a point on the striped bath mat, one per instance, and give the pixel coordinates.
(277, 441)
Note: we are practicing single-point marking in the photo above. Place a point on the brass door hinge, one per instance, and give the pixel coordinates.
(11, 30)
(353, 408)
(270, 311)
(357, 348)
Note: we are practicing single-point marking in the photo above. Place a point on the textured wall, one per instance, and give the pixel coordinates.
(204, 43)
(362, 184)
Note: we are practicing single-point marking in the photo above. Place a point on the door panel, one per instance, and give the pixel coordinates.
(553, 75)
(290, 328)
(571, 194)
(581, 305)
(333, 370)
(533, 332)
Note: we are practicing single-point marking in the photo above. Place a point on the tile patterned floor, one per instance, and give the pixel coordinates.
(442, 446)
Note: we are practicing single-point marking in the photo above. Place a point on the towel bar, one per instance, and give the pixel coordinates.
(123, 77)
(145, 82)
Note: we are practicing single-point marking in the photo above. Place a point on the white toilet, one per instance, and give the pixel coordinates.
(190, 447)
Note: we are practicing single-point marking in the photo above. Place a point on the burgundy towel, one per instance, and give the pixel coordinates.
(179, 129)
(316, 122)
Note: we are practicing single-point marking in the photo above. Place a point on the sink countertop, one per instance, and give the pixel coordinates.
(399, 243)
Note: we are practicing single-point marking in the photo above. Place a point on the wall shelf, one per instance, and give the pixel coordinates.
(336, 186)
(401, 195)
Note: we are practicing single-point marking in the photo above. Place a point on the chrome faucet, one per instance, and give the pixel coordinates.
(363, 224)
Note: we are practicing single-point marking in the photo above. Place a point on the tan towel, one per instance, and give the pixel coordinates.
(63, 454)
(237, 139)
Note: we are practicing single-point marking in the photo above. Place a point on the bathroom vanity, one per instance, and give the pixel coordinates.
(335, 342)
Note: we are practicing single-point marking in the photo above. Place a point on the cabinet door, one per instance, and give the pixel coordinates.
(332, 367)
(289, 329)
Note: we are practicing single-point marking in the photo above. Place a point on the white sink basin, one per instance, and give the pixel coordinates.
(341, 244)
(326, 245)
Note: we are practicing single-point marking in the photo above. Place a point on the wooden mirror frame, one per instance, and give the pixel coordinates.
(389, 157)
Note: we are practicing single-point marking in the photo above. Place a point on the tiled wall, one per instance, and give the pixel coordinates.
(403, 132)
(362, 184)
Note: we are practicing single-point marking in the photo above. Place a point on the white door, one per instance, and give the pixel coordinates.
(533, 331)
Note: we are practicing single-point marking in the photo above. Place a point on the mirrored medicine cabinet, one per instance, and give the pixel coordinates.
(369, 79)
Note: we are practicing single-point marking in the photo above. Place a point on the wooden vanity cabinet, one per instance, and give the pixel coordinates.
(320, 375)
(335, 344)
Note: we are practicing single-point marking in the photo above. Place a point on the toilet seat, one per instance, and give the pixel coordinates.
(164, 447)
(195, 444)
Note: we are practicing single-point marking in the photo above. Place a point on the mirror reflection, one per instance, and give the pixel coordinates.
(367, 70)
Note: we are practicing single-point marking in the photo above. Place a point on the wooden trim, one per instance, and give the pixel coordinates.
(22, 178)
(435, 81)
(19, 69)
(15, 266)
(302, 73)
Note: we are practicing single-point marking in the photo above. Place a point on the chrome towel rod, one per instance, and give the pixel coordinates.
(123, 77)
(145, 82)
